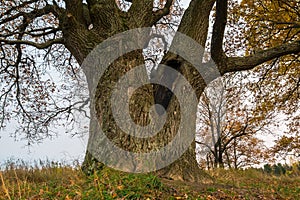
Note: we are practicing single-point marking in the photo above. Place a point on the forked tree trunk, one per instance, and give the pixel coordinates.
(108, 21)
(185, 168)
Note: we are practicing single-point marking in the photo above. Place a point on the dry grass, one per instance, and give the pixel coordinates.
(56, 181)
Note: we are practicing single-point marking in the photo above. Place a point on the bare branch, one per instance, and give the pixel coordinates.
(22, 5)
(157, 15)
(249, 62)
(206, 145)
(33, 14)
(37, 45)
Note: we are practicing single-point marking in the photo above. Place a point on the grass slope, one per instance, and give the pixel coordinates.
(61, 182)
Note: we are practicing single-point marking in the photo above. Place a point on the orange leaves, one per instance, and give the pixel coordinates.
(287, 146)
(270, 22)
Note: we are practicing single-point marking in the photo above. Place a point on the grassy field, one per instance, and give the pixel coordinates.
(54, 181)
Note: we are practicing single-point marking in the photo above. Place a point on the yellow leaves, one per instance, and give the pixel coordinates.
(249, 3)
(78, 196)
(209, 197)
(41, 192)
(270, 22)
(287, 145)
(120, 187)
(72, 182)
(185, 196)
(114, 195)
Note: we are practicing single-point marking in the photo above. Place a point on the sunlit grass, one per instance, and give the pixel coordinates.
(52, 180)
(57, 181)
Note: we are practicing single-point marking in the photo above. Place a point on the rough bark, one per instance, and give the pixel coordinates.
(80, 42)
(185, 168)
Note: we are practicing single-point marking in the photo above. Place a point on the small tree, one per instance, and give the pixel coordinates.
(228, 127)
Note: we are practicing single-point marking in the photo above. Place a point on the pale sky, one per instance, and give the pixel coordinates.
(61, 148)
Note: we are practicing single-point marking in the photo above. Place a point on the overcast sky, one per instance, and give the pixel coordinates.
(64, 147)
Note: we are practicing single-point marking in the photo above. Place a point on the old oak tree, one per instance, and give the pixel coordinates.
(68, 30)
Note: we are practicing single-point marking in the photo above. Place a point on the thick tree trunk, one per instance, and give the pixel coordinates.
(185, 168)
(81, 41)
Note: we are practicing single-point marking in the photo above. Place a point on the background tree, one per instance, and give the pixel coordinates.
(228, 128)
(65, 27)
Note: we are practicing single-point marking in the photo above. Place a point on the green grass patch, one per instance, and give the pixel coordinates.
(52, 181)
